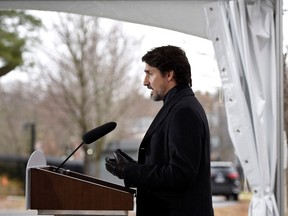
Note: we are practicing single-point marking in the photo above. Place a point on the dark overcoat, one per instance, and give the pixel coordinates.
(172, 175)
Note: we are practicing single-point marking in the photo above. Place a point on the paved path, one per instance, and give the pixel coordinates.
(218, 202)
(17, 213)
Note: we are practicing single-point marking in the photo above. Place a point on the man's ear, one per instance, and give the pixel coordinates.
(170, 75)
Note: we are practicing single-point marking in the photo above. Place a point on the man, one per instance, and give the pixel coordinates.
(172, 175)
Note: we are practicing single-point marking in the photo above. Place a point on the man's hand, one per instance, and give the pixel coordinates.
(115, 168)
(117, 165)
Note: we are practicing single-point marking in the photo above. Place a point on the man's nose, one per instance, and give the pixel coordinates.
(146, 81)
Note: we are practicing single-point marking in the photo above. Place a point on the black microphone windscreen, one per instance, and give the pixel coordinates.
(96, 133)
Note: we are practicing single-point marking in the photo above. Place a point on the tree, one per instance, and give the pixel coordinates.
(221, 144)
(17, 108)
(15, 33)
(88, 80)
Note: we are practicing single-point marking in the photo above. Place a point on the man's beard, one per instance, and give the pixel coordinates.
(156, 96)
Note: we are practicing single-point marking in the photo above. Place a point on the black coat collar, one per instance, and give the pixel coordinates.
(163, 112)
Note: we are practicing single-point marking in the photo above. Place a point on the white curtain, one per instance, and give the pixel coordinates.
(243, 35)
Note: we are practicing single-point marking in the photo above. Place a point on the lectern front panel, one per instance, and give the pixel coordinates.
(51, 190)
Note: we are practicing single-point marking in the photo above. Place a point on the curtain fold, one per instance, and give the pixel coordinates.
(243, 35)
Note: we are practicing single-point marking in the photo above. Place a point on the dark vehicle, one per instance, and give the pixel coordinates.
(225, 180)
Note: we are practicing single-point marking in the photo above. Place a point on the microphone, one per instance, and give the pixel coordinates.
(92, 136)
(98, 132)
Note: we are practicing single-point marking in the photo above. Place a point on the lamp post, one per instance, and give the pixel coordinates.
(31, 126)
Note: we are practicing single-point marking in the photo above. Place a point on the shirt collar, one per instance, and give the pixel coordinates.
(172, 91)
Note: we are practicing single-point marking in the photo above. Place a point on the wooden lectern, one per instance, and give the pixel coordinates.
(65, 192)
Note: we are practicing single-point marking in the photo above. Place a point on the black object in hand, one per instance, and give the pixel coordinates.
(122, 157)
(117, 165)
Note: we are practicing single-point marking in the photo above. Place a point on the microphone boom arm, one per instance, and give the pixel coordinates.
(92, 136)
(68, 157)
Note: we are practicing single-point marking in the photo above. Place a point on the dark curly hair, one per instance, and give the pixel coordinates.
(167, 58)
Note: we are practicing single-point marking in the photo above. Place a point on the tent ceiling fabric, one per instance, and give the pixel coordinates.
(183, 16)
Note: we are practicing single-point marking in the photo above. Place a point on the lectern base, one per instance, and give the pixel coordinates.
(80, 213)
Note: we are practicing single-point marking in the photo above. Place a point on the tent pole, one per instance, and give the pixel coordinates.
(280, 111)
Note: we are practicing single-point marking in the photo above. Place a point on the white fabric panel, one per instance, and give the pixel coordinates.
(183, 16)
(244, 39)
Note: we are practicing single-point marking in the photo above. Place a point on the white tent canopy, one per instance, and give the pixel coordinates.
(183, 16)
(247, 40)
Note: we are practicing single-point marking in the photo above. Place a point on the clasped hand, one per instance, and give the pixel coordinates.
(118, 163)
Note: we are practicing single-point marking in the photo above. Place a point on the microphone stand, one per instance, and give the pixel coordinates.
(68, 157)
